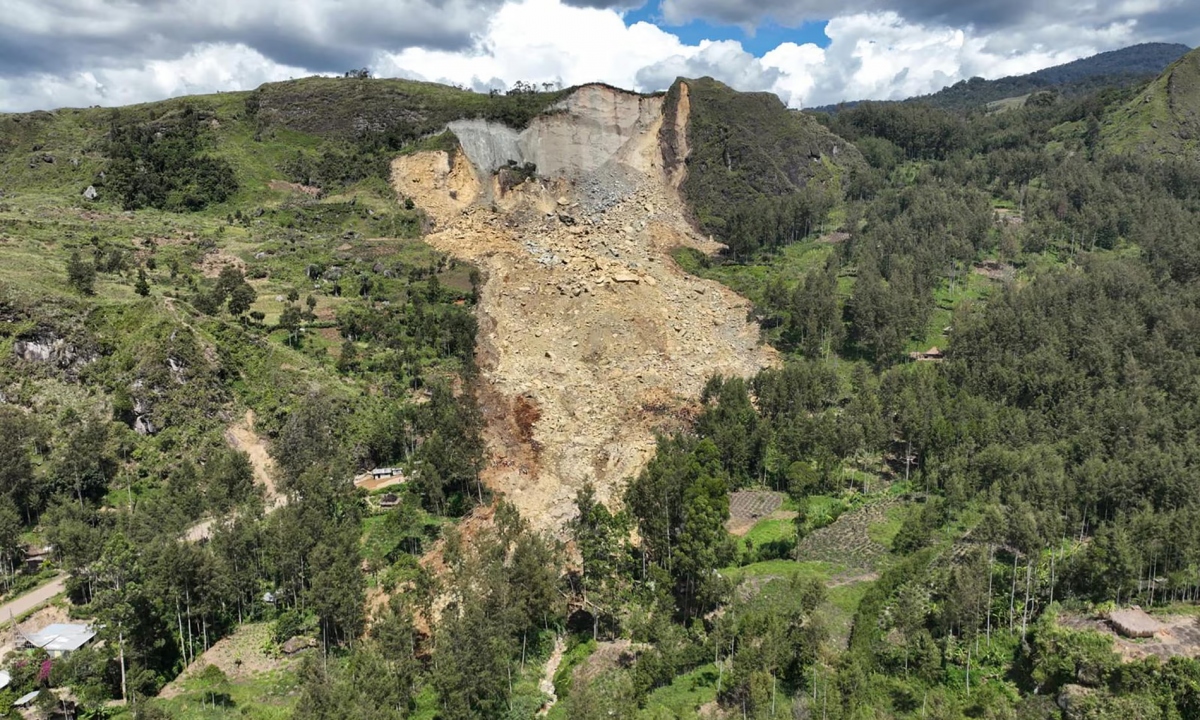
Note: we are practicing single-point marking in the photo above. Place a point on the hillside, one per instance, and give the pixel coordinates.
(352, 398)
(341, 274)
(751, 171)
(1128, 66)
(1164, 119)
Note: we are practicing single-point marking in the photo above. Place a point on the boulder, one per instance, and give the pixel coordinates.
(296, 644)
(90, 193)
(143, 425)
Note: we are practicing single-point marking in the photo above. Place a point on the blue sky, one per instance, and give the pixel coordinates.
(765, 37)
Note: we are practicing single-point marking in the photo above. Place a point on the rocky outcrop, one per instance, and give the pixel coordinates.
(51, 350)
(579, 135)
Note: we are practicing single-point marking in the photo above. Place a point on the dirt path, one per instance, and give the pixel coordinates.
(547, 683)
(241, 436)
(33, 599)
(591, 338)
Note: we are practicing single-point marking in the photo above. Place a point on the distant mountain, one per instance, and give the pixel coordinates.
(1128, 66)
(1164, 119)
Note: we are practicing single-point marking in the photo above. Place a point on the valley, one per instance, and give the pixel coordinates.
(374, 398)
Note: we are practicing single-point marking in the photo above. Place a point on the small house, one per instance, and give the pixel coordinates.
(60, 639)
(26, 700)
(389, 500)
(36, 556)
(5, 679)
(932, 354)
(384, 472)
(1133, 622)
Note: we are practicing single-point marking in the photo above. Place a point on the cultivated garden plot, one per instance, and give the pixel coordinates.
(847, 540)
(747, 507)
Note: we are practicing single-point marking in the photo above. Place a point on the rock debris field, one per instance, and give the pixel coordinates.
(591, 338)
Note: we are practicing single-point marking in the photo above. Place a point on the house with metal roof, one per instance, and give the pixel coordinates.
(60, 639)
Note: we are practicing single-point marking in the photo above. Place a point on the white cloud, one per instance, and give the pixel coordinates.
(870, 55)
(206, 69)
(877, 55)
(544, 41)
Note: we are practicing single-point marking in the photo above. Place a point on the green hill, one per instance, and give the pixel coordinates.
(757, 173)
(1126, 67)
(1164, 119)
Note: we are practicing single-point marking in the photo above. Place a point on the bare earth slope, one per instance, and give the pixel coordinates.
(590, 335)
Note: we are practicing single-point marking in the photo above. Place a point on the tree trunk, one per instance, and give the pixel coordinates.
(121, 652)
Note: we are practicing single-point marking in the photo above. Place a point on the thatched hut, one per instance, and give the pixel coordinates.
(1133, 622)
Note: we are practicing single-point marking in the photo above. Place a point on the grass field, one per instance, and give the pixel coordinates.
(269, 697)
(683, 697)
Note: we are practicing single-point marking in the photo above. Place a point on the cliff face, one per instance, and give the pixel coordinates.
(592, 127)
(591, 338)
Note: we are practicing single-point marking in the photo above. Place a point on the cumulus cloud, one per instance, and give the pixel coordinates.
(543, 41)
(870, 55)
(205, 69)
(65, 36)
(83, 52)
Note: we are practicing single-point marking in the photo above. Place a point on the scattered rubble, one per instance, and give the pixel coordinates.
(585, 326)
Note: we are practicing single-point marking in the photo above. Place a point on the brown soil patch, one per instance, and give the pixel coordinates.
(308, 190)
(241, 435)
(607, 656)
(214, 262)
(590, 322)
(995, 270)
(1005, 216)
(526, 415)
(370, 484)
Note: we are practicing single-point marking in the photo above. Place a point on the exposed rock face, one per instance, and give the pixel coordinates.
(591, 338)
(143, 425)
(581, 134)
(53, 350)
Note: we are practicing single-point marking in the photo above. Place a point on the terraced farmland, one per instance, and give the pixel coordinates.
(847, 540)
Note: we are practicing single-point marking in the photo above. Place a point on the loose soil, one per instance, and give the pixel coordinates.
(241, 436)
(591, 337)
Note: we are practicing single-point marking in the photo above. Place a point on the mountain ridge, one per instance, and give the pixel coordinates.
(1125, 66)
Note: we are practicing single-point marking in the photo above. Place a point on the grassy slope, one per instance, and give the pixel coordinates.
(44, 218)
(1164, 119)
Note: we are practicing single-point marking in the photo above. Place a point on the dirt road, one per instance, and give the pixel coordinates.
(34, 599)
